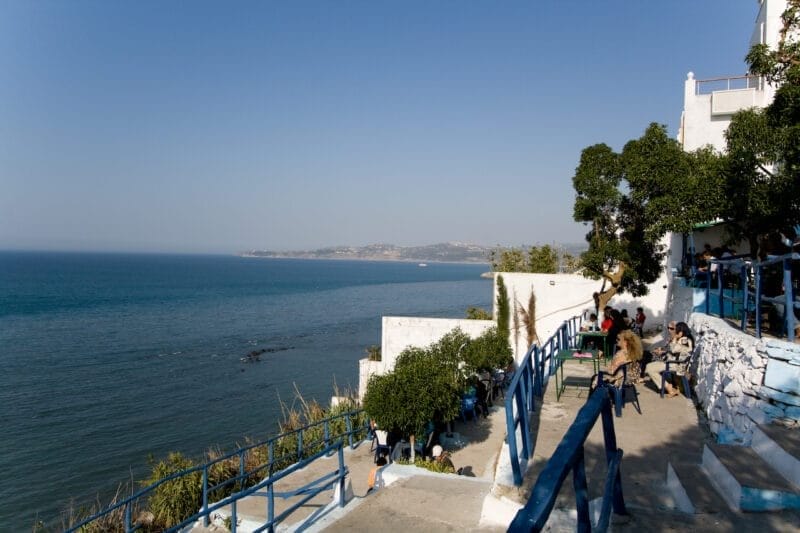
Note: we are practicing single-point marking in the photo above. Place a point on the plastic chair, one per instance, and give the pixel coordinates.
(624, 393)
(382, 444)
(468, 406)
(680, 367)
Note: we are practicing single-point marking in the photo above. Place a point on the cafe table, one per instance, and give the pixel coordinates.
(592, 340)
(581, 356)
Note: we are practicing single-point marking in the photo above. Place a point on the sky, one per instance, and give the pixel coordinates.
(217, 127)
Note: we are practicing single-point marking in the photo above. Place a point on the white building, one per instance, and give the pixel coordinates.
(709, 104)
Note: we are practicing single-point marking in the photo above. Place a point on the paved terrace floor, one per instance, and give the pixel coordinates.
(668, 428)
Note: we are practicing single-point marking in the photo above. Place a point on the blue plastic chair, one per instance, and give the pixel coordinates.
(624, 393)
(468, 406)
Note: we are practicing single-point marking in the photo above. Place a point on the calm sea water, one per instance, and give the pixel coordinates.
(110, 358)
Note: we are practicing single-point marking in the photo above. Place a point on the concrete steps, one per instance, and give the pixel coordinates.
(763, 477)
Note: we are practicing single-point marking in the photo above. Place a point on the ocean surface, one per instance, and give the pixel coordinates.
(110, 358)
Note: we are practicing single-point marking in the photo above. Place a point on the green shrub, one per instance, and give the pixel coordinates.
(175, 500)
(477, 313)
(489, 351)
(432, 465)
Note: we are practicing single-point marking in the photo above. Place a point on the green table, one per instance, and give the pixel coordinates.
(598, 338)
(564, 356)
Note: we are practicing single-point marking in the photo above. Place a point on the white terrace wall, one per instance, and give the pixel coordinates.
(399, 333)
(742, 380)
(562, 296)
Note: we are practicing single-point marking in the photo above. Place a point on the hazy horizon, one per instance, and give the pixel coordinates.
(212, 127)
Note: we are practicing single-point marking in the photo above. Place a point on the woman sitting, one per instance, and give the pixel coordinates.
(630, 351)
(679, 349)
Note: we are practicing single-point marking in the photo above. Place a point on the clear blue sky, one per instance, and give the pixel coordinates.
(225, 126)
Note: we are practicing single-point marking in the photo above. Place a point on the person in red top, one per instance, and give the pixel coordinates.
(639, 321)
(608, 321)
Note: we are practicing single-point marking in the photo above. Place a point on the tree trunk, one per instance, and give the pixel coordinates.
(413, 455)
(615, 278)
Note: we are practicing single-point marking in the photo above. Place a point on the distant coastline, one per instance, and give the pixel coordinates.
(436, 253)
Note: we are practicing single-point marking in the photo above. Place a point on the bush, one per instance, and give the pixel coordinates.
(477, 313)
(434, 466)
(177, 499)
(489, 351)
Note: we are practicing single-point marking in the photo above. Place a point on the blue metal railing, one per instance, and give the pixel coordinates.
(329, 442)
(745, 295)
(569, 456)
(528, 382)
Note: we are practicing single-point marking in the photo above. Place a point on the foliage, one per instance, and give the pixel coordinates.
(537, 259)
(631, 199)
(487, 352)
(543, 260)
(477, 313)
(441, 467)
(529, 319)
(373, 352)
(419, 390)
(175, 500)
(762, 168)
(503, 309)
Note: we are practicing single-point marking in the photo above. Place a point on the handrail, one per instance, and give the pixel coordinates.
(739, 82)
(328, 440)
(569, 456)
(752, 272)
(528, 382)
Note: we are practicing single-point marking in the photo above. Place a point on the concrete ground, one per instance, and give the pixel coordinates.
(667, 429)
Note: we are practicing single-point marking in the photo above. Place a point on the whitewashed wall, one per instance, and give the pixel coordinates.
(562, 296)
(742, 380)
(399, 333)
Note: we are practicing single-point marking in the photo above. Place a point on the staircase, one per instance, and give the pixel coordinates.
(762, 477)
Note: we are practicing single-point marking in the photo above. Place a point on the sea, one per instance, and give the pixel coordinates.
(112, 360)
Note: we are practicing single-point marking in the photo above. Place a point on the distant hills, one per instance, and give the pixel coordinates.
(448, 252)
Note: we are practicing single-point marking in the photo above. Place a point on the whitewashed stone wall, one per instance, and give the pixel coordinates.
(742, 380)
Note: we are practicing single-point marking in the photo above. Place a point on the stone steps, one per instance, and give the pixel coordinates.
(746, 481)
(750, 479)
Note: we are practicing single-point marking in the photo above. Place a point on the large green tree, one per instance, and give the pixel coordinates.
(630, 200)
(762, 165)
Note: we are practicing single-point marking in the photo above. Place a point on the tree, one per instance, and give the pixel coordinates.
(488, 352)
(503, 309)
(424, 386)
(543, 260)
(478, 313)
(631, 199)
(762, 167)
(508, 260)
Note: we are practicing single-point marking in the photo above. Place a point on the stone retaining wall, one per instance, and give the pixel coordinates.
(742, 380)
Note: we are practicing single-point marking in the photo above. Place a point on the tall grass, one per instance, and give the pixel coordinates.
(173, 501)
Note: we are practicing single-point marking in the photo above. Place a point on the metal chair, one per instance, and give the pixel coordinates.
(620, 394)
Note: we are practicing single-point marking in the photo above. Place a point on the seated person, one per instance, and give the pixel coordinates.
(608, 321)
(680, 347)
(591, 324)
(629, 351)
(625, 318)
(481, 394)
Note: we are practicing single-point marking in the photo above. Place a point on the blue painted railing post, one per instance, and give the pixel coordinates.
(342, 500)
(537, 378)
(721, 291)
(757, 270)
(789, 304)
(581, 493)
(513, 452)
(271, 506)
(745, 294)
(205, 495)
(610, 441)
(128, 525)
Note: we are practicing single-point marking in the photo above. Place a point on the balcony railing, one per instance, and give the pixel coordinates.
(711, 85)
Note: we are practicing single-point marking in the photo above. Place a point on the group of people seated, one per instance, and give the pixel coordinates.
(678, 347)
(616, 321)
